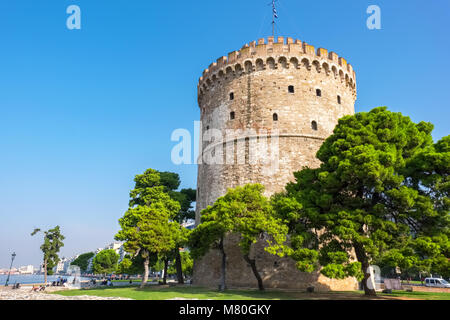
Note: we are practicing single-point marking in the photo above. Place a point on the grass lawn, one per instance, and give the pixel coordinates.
(164, 293)
(134, 280)
(419, 295)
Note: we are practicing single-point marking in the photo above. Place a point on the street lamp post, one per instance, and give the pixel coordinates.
(9, 273)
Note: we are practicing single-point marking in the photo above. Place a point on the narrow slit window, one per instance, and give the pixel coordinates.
(232, 96)
(291, 89)
(339, 99)
(232, 115)
(314, 125)
(318, 92)
(275, 117)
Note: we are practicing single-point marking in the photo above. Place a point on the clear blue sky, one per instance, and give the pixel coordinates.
(83, 111)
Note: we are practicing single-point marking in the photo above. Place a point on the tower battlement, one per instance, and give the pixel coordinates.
(287, 52)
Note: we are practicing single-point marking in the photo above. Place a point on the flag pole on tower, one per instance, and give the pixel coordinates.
(274, 16)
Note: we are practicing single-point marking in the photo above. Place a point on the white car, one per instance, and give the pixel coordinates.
(436, 283)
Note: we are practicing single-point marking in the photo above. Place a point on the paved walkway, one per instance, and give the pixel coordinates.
(25, 293)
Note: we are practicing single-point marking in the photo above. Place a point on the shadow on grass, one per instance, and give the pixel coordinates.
(420, 295)
(155, 292)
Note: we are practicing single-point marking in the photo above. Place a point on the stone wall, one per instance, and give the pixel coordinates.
(277, 273)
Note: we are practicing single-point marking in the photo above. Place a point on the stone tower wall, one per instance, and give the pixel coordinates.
(259, 77)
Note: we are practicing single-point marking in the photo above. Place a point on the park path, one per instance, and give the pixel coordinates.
(25, 293)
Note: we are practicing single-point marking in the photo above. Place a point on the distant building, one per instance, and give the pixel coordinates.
(116, 246)
(60, 266)
(26, 269)
(13, 271)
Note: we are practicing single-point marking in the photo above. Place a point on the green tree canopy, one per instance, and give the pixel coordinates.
(83, 261)
(148, 227)
(53, 242)
(135, 265)
(186, 261)
(244, 211)
(105, 262)
(168, 183)
(368, 196)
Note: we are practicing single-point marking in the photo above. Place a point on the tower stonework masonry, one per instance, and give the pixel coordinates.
(285, 92)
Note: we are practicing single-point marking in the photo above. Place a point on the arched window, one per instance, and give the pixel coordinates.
(318, 92)
(291, 89)
(231, 95)
(259, 65)
(232, 115)
(314, 125)
(339, 99)
(275, 117)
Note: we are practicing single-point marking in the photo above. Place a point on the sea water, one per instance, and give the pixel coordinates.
(28, 279)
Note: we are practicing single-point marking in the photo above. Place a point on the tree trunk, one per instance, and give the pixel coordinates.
(166, 265)
(145, 278)
(179, 267)
(45, 272)
(363, 259)
(222, 285)
(252, 263)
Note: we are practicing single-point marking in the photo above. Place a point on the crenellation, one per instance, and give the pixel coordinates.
(343, 63)
(333, 57)
(278, 48)
(287, 47)
(232, 56)
(222, 61)
(245, 53)
(212, 67)
(308, 49)
(296, 48)
(323, 53)
(350, 69)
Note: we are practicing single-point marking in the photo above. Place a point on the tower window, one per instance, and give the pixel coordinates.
(232, 96)
(318, 92)
(291, 89)
(314, 125)
(232, 115)
(339, 99)
(275, 117)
